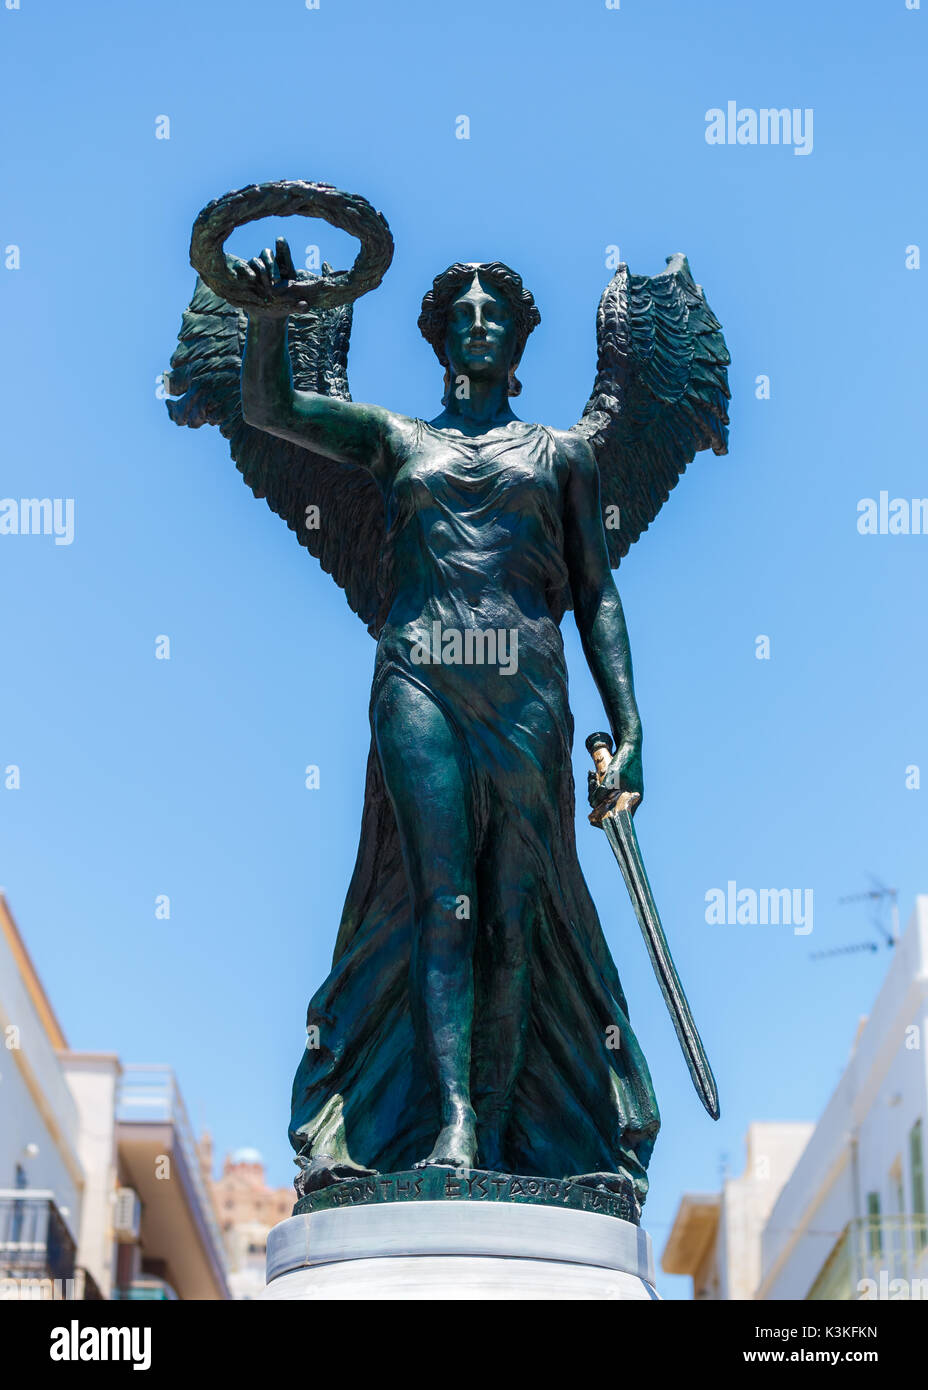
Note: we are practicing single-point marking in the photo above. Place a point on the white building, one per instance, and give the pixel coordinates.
(835, 1210)
(101, 1194)
(41, 1176)
(716, 1237)
(851, 1220)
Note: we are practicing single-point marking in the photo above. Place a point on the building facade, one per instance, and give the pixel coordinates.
(716, 1237)
(101, 1194)
(835, 1210)
(851, 1221)
(246, 1208)
(42, 1179)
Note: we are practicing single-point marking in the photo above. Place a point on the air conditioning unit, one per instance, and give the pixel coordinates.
(127, 1216)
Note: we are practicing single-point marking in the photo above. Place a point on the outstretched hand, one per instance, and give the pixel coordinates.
(272, 275)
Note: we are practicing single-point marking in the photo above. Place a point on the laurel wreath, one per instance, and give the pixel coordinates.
(230, 277)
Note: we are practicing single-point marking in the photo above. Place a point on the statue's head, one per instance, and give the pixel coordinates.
(477, 318)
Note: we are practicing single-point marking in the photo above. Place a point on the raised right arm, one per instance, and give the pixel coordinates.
(343, 430)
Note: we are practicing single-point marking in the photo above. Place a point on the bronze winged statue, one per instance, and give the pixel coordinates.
(473, 1017)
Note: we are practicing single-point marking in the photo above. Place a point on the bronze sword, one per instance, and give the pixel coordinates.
(614, 816)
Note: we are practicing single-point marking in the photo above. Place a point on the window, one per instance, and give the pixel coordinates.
(917, 1166)
(875, 1234)
(895, 1177)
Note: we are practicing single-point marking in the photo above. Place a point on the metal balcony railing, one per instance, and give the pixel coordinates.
(876, 1258)
(34, 1240)
(149, 1094)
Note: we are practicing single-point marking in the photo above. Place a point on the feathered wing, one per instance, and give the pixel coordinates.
(346, 534)
(660, 395)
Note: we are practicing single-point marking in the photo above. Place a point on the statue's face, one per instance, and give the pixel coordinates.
(481, 336)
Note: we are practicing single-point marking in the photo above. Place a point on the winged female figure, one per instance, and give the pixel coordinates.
(473, 1017)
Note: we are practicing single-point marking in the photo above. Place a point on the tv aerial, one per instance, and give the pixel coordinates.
(878, 895)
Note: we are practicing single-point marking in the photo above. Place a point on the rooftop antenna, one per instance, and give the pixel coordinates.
(877, 895)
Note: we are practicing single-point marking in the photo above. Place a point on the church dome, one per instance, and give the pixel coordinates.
(247, 1156)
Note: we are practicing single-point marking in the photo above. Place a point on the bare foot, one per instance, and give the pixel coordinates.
(323, 1170)
(456, 1145)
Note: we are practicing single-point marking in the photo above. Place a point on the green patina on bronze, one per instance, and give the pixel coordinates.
(474, 1014)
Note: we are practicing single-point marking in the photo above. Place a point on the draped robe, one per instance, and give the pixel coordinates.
(475, 542)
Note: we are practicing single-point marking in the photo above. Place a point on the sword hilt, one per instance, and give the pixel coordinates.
(601, 749)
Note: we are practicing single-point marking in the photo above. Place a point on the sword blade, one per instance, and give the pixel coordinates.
(620, 832)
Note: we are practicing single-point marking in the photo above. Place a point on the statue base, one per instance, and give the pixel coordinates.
(437, 1250)
(604, 1193)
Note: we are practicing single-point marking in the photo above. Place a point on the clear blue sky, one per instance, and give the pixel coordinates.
(142, 777)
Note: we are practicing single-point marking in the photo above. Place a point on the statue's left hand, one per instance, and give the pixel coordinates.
(624, 774)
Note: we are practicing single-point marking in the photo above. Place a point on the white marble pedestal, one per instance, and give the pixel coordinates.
(458, 1250)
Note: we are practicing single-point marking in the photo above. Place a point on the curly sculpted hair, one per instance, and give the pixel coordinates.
(446, 287)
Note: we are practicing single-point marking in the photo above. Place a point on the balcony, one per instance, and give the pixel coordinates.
(158, 1157)
(35, 1243)
(890, 1252)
